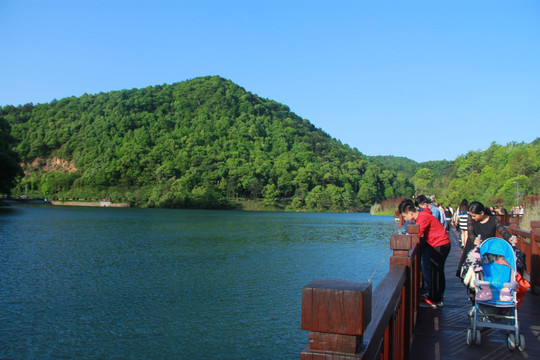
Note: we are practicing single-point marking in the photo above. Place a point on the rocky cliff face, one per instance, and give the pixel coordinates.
(53, 164)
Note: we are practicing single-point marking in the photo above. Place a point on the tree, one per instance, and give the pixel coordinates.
(368, 191)
(423, 181)
(9, 167)
(318, 199)
(270, 192)
(509, 191)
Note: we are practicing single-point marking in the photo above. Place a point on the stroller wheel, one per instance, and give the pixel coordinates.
(521, 346)
(511, 341)
(478, 337)
(469, 336)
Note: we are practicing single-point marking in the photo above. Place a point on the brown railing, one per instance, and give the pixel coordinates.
(509, 218)
(346, 320)
(529, 243)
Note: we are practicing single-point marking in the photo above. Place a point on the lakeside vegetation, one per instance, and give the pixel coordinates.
(208, 143)
(9, 168)
(493, 176)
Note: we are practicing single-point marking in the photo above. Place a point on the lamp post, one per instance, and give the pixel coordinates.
(517, 191)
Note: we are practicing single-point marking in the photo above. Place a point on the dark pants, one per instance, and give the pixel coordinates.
(438, 283)
(425, 265)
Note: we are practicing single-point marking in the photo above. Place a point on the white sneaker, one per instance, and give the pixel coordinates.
(427, 304)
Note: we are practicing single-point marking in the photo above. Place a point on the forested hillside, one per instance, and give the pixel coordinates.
(198, 143)
(495, 175)
(207, 142)
(9, 168)
(492, 176)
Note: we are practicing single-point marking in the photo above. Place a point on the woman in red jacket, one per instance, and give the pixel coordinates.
(436, 236)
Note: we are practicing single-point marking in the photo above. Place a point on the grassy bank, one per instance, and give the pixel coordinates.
(532, 212)
(385, 213)
(260, 205)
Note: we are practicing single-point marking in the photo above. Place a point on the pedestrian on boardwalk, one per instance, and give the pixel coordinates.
(423, 202)
(482, 225)
(437, 238)
(447, 217)
(462, 219)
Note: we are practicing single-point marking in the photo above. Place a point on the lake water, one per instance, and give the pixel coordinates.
(102, 283)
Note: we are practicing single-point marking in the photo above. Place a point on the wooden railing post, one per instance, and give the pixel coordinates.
(402, 245)
(514, 223)
(534, 270)
(414, 230)
(336, 313)
(535, 227)
(504, 219)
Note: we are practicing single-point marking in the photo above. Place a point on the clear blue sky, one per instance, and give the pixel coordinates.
(428, 80)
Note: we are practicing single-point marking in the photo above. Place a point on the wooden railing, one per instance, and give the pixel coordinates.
(509, 218)
(529, 243)
(346, 320)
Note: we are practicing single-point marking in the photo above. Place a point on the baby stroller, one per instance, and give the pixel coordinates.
(496, 303)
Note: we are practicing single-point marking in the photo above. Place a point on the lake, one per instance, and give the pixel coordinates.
(104, 283)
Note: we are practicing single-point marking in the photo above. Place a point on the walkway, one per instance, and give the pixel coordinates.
(441, 333)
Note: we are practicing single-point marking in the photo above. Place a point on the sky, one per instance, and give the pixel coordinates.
(427, 80)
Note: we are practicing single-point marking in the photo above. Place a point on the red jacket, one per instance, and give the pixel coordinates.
(431, 228)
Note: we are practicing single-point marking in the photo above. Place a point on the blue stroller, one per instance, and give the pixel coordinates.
(496, 303)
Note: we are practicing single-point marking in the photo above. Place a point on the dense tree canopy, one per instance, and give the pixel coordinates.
(196, 143)
(203, 142)
(493, 176)
(9, 167)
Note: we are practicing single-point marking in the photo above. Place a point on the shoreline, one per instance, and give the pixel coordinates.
(90, 204)
(102, 203)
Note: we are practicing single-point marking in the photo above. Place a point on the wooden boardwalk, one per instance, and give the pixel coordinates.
(441, 333)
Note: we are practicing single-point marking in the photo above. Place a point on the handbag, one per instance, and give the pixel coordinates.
(523, 286)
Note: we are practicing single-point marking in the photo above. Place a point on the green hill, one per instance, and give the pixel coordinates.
(195, 144)
(208, 143)
(494, 176)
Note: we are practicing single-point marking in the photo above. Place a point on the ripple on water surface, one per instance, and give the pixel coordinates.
(133, 283)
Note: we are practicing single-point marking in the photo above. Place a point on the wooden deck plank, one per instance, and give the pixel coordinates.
(441, 333)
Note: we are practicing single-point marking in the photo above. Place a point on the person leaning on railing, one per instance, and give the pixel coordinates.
(437, 238)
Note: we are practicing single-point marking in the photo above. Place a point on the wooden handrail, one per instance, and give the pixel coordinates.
(388, 318)
(529, 243)
(390, 313)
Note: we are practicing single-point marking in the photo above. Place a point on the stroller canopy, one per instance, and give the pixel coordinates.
(497, 246)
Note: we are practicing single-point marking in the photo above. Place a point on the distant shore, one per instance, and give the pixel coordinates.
(90, 204)
(102, 203)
